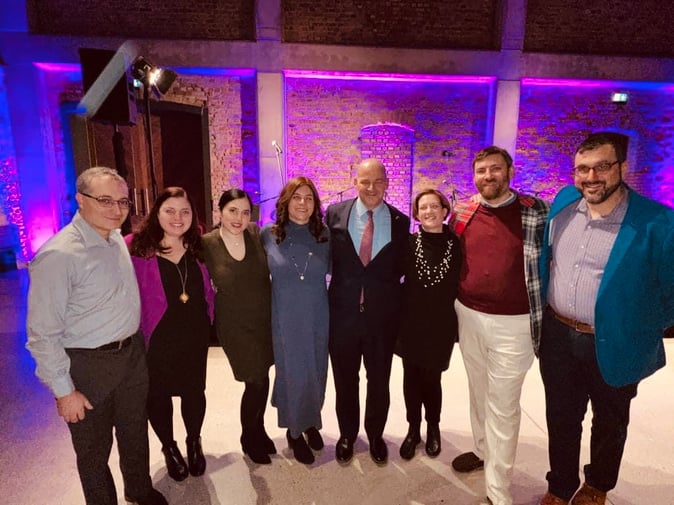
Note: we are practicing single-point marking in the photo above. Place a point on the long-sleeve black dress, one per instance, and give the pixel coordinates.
(429, 326)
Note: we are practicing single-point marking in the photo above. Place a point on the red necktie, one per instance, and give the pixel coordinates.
(365, 251)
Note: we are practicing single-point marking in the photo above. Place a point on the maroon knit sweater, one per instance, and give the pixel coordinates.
(492, 273)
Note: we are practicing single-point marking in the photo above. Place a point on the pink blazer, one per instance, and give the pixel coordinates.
(153, 302)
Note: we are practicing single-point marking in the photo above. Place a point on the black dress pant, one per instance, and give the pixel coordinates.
(421, 386)
(376, 350)
(116, 384)
(571, 378)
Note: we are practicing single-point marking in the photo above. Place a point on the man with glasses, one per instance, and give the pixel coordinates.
(83, 318)
(606, 270)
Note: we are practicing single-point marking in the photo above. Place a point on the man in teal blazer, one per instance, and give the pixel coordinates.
(607, 275)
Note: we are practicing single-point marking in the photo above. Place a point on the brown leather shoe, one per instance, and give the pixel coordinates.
(551, 499)
(588, 495)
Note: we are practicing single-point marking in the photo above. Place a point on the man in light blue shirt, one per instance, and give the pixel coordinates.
(83, 318)
(365, 297)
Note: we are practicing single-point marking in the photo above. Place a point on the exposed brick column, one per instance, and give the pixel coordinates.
(393, 145)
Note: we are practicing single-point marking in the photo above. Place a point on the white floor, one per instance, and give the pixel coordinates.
(37, 465)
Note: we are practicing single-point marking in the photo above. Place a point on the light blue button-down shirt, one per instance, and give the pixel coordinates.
(381, 216)
(83, 293)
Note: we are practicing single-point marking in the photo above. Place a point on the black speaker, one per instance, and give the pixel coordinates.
(119, 107)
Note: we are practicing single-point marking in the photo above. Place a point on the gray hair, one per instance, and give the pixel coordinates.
(84, 179)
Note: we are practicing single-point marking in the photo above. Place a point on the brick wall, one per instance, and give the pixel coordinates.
(555, 119)
(619, 27)
(232, 116)
(325, 118)
(393, 144)
(462, 24)
(231, 106)
(160, 19)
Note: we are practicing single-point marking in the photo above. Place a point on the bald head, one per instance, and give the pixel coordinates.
(371, 182)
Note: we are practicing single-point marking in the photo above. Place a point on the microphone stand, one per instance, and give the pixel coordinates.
(148, 132)
(281, 173)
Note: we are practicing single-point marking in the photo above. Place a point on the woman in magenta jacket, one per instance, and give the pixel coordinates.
(176, 317)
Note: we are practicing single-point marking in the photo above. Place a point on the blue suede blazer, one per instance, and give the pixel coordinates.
(635, 302)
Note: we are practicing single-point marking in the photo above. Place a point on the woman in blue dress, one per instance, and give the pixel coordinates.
(298, 253)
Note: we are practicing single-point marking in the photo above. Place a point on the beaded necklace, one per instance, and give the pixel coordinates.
(430, 275)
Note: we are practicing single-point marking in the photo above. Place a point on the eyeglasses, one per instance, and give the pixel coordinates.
(107, 203)
(599, 168)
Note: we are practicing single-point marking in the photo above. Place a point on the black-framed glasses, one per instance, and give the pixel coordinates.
(599, 168)
(107, 203)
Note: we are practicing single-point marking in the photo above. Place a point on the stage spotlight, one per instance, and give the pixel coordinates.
(158, 79)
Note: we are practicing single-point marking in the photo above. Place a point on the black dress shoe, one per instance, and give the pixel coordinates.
(195, 457)
(409, 445)
(378, 451)
(154, 497)
(433, 440)
(255, 449)
(344, 450)
(301, 450)
(175, 463)
(314, 438)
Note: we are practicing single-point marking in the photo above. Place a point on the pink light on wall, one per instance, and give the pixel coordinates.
(353, 76)
(576, 83)
(58, 67)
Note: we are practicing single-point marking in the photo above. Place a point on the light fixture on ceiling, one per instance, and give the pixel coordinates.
(158, 79)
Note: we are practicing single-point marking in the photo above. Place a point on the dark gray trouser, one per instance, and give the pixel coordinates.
(116, 384)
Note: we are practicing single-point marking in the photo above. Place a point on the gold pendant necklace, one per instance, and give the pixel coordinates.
(184, 297)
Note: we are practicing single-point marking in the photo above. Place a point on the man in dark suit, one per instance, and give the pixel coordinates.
(368, 241)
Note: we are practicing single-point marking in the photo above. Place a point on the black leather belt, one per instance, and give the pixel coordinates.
(112, 346)
(572, 323)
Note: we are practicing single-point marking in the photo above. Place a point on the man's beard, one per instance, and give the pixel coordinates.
(492, 191)
(602, 196)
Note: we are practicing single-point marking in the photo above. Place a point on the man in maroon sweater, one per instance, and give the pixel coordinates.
(500, 311)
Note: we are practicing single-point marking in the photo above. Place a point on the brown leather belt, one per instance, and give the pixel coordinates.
(572, 323)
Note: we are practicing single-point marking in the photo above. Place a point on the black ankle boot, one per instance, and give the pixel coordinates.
(267, 442)
(314, 439)
(195, 456)
(433, 441)
(254, 448)
(175, 464)
(409, 446)
(301, 450)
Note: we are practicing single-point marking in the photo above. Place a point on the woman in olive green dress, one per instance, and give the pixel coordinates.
(238, 267)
